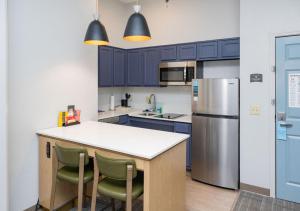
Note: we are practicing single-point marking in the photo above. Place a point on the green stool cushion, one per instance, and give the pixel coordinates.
(117, 188)
(71, 174)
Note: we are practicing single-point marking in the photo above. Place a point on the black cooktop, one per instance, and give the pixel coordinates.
(169, 116)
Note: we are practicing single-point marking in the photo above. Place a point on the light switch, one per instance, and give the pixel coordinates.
(255, 110)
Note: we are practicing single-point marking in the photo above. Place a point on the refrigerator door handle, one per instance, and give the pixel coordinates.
(184, 74)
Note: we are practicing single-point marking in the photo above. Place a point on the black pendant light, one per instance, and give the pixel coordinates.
(96, 33)
(137, 28)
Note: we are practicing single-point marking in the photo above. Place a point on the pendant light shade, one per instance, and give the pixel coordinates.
(137, 28)
(96, 33)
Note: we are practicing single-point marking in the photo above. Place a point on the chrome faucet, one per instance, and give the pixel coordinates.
(152, 102)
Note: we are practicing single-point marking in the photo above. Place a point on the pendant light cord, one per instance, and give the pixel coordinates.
(97, 9)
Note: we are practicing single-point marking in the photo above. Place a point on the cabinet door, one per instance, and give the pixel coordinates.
(186, 128)
(207, 50)
(135, 70)
(151, 124)
(151, 67)
(189, 154)
(229, 49)
(119, 67)
(168, 53)
(187, 52)
(105, 66)
(123, 120)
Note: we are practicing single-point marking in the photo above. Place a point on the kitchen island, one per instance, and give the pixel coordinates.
(160, 155)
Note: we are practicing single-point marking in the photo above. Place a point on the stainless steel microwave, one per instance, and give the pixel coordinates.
(177, 73)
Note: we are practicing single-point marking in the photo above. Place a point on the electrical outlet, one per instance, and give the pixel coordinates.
(255, 110)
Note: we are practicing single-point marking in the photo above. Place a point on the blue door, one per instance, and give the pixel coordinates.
(288, 118)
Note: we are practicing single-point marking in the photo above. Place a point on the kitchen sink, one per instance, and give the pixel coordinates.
(148, 114)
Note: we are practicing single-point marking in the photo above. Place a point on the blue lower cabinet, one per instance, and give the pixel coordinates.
(186, 128)
(176, 127)
(151, 124)
(123, 120)
(189, 154)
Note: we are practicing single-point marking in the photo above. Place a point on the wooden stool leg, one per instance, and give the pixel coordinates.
(54, 173)
(95, 184)
(129, 188)
(84, 194)
(113, 207)
(80, 184)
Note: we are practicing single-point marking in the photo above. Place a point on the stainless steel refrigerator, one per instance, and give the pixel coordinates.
(215, 132)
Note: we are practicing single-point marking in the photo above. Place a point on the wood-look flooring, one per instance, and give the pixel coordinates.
(202, 197)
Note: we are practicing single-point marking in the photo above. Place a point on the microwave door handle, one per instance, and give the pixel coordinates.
(184, 74)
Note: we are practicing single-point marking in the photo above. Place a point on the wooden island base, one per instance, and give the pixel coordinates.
(164, 176)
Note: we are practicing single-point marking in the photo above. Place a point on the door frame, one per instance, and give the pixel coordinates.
(272, 113)
(3, 107)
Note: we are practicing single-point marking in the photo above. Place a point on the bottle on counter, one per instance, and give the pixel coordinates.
(159, 108)
(112, 102)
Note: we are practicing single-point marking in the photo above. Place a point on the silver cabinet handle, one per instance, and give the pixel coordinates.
(286, 124)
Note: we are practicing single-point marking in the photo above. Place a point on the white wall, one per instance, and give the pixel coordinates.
(112, 16)
(221, 69)
(3, 106)
(260, 20)
(188, 20)
(49, 68)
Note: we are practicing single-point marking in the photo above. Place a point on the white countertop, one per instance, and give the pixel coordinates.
(139, 142)
(136, 113)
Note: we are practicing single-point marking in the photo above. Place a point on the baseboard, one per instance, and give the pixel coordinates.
(31, 208)
(255, 189)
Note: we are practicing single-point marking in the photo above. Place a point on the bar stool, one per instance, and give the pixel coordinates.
(75, 170)
(119, 180)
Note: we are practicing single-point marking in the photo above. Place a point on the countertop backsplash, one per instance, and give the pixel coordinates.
(104, 97)
(175, 99)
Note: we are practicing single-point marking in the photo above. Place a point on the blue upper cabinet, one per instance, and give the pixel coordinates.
(135, 70)
(168, 53)
(105, 66)
(207, 50)
(151, 66)
(229, 48)
(186, 52)
(120, 67)
(139, 67)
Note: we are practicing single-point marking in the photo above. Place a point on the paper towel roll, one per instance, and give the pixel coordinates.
(112, 102)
